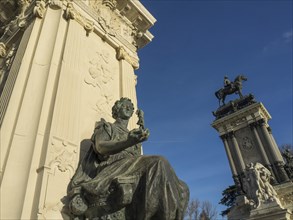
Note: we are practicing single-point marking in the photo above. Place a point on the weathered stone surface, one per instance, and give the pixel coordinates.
(261, 176)
(63, 65)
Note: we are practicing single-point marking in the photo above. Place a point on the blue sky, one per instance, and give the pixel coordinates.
(196, 43)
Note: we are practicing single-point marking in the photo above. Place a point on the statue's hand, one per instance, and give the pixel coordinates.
(138, 135)
(145, 134)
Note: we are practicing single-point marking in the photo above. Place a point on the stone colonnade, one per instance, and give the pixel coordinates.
(245, 131)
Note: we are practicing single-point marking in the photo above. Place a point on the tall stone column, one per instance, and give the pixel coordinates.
(276, 148)
(127, 64)
(231, 162)
(262, 151)
(239, 158)
(278, 161)
(228, 153)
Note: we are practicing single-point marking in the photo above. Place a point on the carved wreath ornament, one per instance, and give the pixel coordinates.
(247, 143)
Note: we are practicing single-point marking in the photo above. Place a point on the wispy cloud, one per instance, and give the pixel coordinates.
(281, 42)
(287, 36)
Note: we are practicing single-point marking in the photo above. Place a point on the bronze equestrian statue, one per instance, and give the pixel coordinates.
(230, 88)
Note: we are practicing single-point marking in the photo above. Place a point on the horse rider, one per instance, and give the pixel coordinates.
(227, 82)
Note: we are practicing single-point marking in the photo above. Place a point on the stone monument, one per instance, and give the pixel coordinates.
(265, 190)
(115, 182)
(63, 64)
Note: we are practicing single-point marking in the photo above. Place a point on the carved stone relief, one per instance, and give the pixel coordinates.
(100, 75)
(247, 145)
(5, 65)
(18, 20)
(257, 187)
(62, 154)
(59, 168)
(112, 22)
(108, 22)
(287, 199)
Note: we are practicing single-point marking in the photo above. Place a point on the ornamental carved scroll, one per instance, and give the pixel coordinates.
(121, 53)
(72, 13)
(101, 77)
(62, 154)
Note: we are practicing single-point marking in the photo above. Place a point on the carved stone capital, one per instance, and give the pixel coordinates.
(110, 3)
(39, 9)
(121, 53)
(231, 134)
(224, 136)
(56, 4)
(72, 13)
(261, 122)
(253, 125)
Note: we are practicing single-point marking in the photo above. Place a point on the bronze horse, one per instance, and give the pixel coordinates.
(234, 87)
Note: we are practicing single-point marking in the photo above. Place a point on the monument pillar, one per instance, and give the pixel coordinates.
(229, 155)
(278, 161)
(63, 64)
(264, 188)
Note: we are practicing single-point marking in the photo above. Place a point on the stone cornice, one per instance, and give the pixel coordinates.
(130, 13)
(140, 17)
(123, 24)
(136, 13)
(240, 118)
(107, 34)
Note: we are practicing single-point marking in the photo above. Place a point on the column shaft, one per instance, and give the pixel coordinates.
(278, 162)
(238, 152)
(268, 141)
(262, 151)
(228, 152)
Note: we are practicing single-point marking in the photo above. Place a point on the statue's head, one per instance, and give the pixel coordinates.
(226, 77)
(123, 109)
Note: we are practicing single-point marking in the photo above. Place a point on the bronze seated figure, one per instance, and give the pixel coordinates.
(114, 181)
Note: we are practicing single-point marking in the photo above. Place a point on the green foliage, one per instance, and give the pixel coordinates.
(228, 199)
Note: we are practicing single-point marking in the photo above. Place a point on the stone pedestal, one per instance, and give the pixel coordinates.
(243, 127)
(249, 143)
(63, 65)
(269, 211)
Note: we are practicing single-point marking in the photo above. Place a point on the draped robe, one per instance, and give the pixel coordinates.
(144, 187)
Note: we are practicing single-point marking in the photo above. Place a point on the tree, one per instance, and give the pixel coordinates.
(203, 216)
(287, 153)
(286, 147)
(192, 210)
(208, 210)
(229, 198)
(197, 210)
